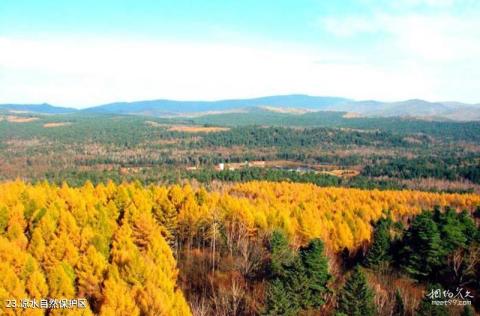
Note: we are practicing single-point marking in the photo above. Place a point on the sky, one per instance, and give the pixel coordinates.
(82, 53)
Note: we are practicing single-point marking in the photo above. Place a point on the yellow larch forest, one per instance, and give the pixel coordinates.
(113, 244)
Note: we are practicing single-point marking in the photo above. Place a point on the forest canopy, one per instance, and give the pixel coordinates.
(114, 244)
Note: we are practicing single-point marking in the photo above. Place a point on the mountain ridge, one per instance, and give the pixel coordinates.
(44, 108)
(289, 104)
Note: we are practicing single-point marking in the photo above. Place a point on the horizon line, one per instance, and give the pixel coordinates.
(231, 99)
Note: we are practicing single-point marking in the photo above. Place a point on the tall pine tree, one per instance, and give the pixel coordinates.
(278, 300)
(297, 280)
(281, 255)
(316, 269)
(281, 296)
(379, 251)
(422, 252)
(356, 298)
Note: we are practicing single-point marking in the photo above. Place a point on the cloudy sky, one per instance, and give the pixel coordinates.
(88, 52)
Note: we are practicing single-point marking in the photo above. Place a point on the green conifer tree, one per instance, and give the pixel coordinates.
(281, 296)
(315, 265)
(379, 251)
(281, 256)
(278, 300)
(452, 230)
(297, 281)
(356, 298)
(422, 252)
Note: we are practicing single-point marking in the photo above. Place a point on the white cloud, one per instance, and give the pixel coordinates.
(440, 37)
(86, 72)
(81, 72)
(438, 52)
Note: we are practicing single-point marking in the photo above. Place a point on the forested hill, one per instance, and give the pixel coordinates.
(446, 129)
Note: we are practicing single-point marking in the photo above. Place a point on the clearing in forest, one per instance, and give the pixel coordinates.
(56, 124)
(197, 129)
(19, 119)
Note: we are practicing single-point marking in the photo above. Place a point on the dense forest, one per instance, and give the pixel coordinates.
(450, 168)
(381, 152)
(445, 129)
(186, 216)
(257, 248)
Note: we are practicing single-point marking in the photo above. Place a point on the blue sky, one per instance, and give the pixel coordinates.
(82, 53)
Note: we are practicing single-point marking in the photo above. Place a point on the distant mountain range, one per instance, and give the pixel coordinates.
(291, 104)
(35, 108)
(171, 107)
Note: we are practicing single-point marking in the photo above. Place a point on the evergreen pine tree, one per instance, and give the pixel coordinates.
(296, 284)
(356, 298)
(281, 256)
(470, 230)
(422, 252)
(316, 269)
(379, 251)
(451, 230)
(281, 297)
(278, 301)
(298, 281)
